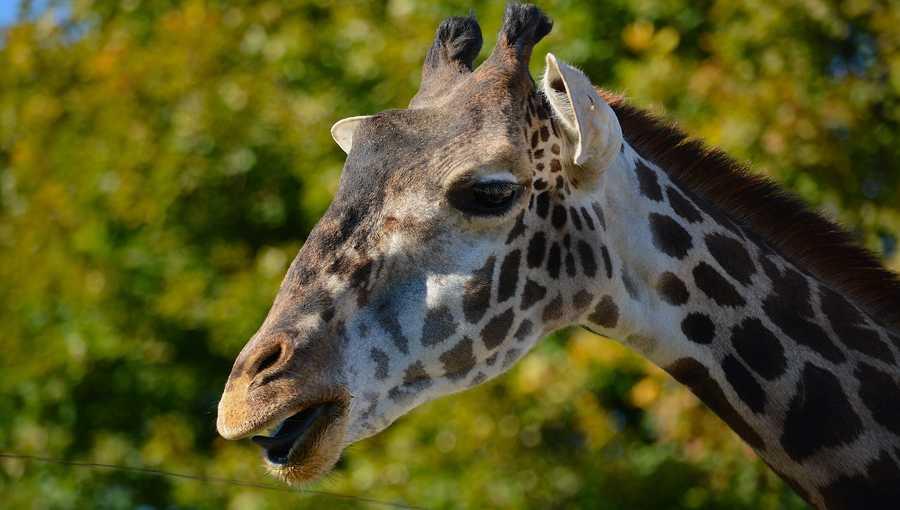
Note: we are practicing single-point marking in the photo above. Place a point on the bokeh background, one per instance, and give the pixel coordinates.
(162, 161)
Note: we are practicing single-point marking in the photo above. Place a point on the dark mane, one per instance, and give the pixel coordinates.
(810, 241)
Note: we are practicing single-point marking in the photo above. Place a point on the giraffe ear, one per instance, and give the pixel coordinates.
(342, 131)
(588, 121)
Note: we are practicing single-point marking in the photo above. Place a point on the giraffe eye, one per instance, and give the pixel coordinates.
(485, 198)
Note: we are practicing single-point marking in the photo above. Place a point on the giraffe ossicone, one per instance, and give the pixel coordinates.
(490, 213)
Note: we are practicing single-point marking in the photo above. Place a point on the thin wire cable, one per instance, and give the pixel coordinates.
(203, 478)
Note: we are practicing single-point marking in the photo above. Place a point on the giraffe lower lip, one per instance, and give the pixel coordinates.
(293, 431)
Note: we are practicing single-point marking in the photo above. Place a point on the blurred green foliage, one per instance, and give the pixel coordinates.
(162, 161)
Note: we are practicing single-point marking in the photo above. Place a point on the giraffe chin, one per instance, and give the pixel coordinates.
(314, 450)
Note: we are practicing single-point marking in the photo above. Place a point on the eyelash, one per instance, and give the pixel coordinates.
(485, 198)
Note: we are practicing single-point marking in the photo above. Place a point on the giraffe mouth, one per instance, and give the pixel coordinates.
(295, 437)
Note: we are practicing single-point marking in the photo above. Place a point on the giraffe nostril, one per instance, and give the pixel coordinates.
(268, 360)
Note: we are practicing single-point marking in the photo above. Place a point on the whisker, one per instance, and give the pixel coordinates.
(204, 479)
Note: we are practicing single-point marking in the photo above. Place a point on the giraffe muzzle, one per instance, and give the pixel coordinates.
(285, 392)
(297, 433)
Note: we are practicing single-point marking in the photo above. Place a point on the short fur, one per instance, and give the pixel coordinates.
(820, 246)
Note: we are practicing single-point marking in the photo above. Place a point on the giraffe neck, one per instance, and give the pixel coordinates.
(805, 377)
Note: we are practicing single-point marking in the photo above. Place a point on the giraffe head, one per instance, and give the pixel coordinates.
(462, 231)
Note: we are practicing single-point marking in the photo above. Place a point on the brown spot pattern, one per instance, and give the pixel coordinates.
(820, 399)
(682, 206)
(759, 348)
(459, 360)
(672, 289)
(849, 324)
(669, 236)
(605, 313)
(438, 326)
(477, 292)
(744, 385)
(716, 287)
(731, 256)
(554, 310)
(497, 328)
(695, 376)
(509, 276)
(647, 182)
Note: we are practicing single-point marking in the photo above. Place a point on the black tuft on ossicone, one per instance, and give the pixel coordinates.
(451, 56)
(458, 40)
(524, 25)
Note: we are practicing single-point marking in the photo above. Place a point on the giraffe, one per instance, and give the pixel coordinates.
(493, 211)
